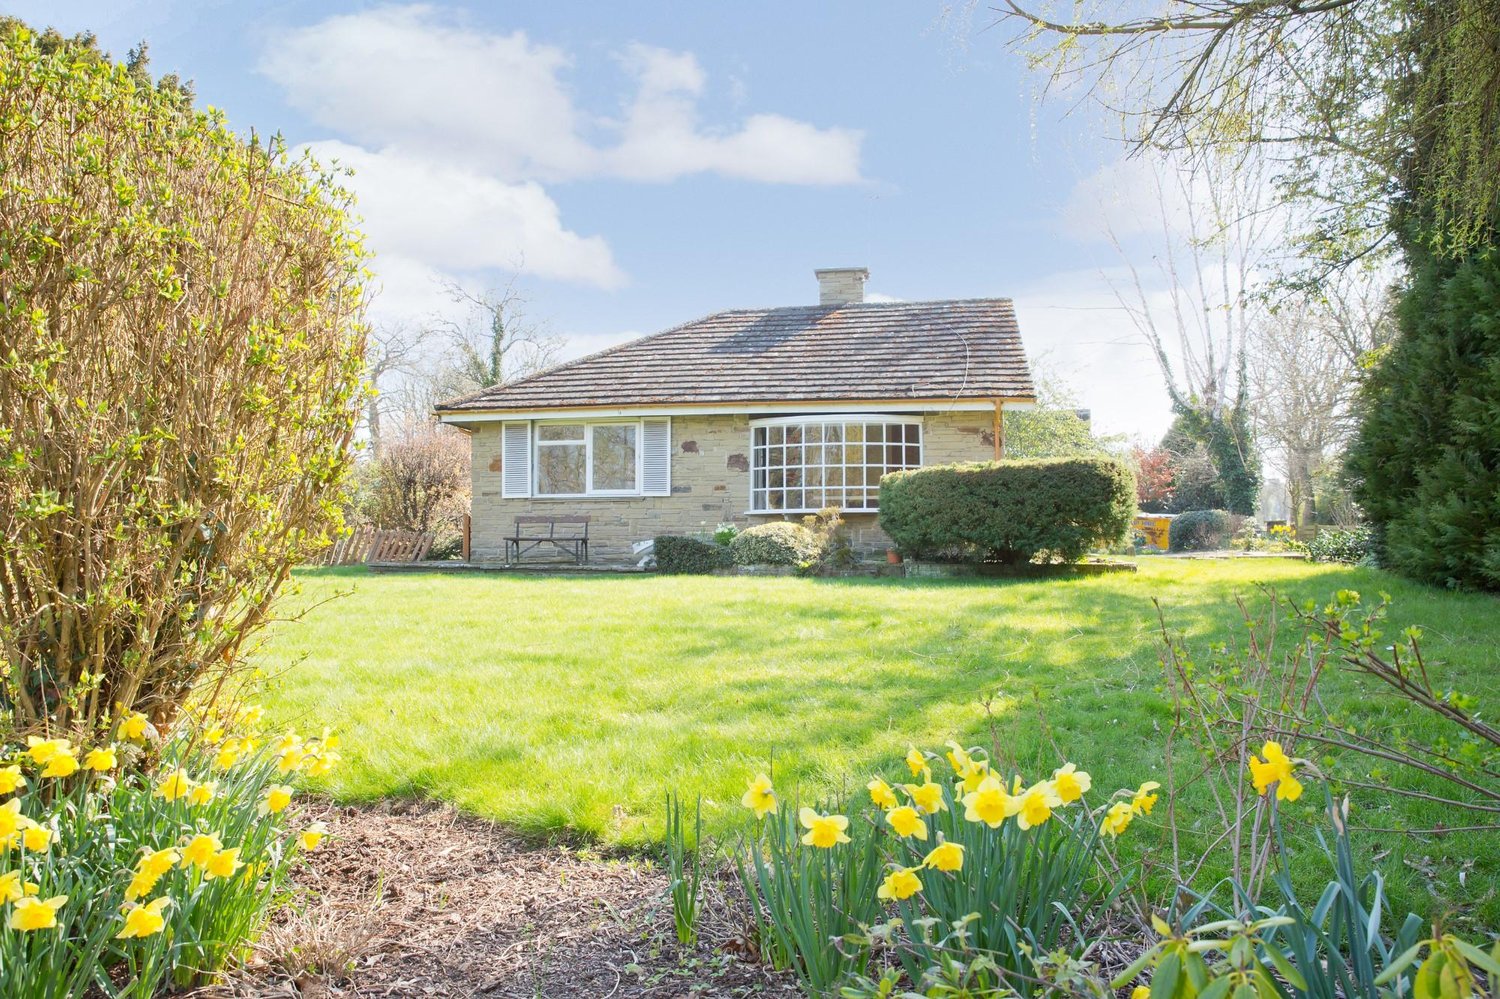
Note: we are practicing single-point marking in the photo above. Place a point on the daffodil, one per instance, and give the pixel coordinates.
(760, 797)
(928, 797)
(223, 864)
(312, 836)
(36, 838)
(1036, 804)
(959, 758)
(278, 796)
(323, 763)
(42, 750)
(176, 784)
(228, 754)
(158, 862)
(825, 831)
(61, 765)
(13, 889)
(101, 759)
(906, 822)
(199, 849)
(989, 803)
(141, 884)
(945, 857)
(1070, 782)
(30, 913)
(917, 763)
(1117, 819)
(1144, 798)
(145, 920)
(134, 727)
(11, 821)
(901, 883)
(1141, 992)
(202, 794)
(11, 779)
(881, 794)
(290, 758)
(1275, 769)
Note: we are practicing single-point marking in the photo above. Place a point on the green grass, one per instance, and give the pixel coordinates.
(573, 704)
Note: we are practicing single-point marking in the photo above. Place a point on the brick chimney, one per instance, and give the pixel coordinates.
(841, 285)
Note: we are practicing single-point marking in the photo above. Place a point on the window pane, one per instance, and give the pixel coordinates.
(913, 456)
(875, 433)
(794, 435)
(813, 434)
(559, 432)
(778, 435)
(833, 433)
(759, 438)
(614, 457)
(854, 433)
(559, 469)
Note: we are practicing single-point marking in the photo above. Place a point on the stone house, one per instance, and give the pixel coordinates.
(745, 416)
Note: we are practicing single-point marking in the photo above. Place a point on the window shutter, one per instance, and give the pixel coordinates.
(656, 457)
(515, 460)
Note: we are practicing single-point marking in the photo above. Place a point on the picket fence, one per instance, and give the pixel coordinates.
(369, 544)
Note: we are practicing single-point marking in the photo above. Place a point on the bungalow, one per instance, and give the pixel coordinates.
(745, 416)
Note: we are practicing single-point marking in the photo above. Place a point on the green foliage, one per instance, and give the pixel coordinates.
(678, 555)
(1009, 511)
(1199, 530)
(725, 533)
(777, 543)
(685, 866)
(1049, 433)
(1229, 441)
(1426, 460)
(1332, 544)
(178, 389)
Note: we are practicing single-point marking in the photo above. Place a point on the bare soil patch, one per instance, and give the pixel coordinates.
(415, 899)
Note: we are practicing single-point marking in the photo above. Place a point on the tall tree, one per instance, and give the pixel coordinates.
(493, 343)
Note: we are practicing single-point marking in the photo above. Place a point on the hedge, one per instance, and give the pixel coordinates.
(1200, 530)
(776, 543)
(1008, 511)
(1332, 544)
(677, 555)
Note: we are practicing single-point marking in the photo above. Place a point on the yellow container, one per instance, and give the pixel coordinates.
(1154, 528)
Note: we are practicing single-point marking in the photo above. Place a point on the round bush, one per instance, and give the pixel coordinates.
(1200, 530)
(1351, 546)
(778, 543)
(1009, 511)
(677, 555)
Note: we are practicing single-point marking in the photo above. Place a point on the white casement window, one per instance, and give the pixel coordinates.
(804, 464)
(608, 458)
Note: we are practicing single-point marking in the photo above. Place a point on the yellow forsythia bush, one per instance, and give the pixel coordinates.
(149, 859)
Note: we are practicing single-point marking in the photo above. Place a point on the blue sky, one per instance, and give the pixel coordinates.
(646, 164)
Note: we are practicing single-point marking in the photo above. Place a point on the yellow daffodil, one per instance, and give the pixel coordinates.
(249, 717)
(202, 794)
(228, 754)
(214, 734)
(760, 797)
(900, 884)
(134, 727)
(31, 913)
(959, 758)
(11, 779)
(199, 849)
(158, 862)
(101, 759)
(1141, 992)
(323, 763)
(1036, 804)
(36, 838)
(312, 836)
(945, 857)
(176, 784)
(917, 763)
(60, 765)
(42, 750)
(13, 889)
(141, 884)
(290, 758)
(881, 794)
(906, 822)
(825, 831)
(989, 803)
(1275, 769)
(1144, 798)
(11, 820)
(278, 796)
(1070, 782)
(145, 920)
(928, 797)
(1117, 819)
(223, 864)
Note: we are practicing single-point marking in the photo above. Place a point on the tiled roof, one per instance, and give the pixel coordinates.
(969, 349)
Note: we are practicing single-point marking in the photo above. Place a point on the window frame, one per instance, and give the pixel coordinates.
(588, 457)
(822, 421)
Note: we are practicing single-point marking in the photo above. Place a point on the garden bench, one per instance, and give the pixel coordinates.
(535, 532)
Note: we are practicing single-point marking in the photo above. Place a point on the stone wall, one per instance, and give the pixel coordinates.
(710, 485)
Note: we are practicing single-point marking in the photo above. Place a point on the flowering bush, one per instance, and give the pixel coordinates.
(1018, 867)
(148, 860)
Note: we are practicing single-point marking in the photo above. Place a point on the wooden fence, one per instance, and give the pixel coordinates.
(367, 544)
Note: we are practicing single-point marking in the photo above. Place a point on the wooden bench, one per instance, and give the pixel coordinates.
(536, 532)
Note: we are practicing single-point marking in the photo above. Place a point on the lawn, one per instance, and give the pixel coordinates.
(573, 704)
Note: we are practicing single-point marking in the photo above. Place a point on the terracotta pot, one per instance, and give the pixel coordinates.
(892, 556)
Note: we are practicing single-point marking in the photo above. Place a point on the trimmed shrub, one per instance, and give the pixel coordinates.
(677, 555)
(1351, 546)
(1200, 530)
(777, 543)
(1009, 511)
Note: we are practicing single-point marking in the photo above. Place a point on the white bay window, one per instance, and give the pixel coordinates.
(803, 464)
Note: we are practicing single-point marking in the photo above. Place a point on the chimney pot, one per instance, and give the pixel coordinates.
(841, 285)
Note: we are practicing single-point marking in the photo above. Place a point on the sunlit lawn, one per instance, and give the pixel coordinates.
(573, 704)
